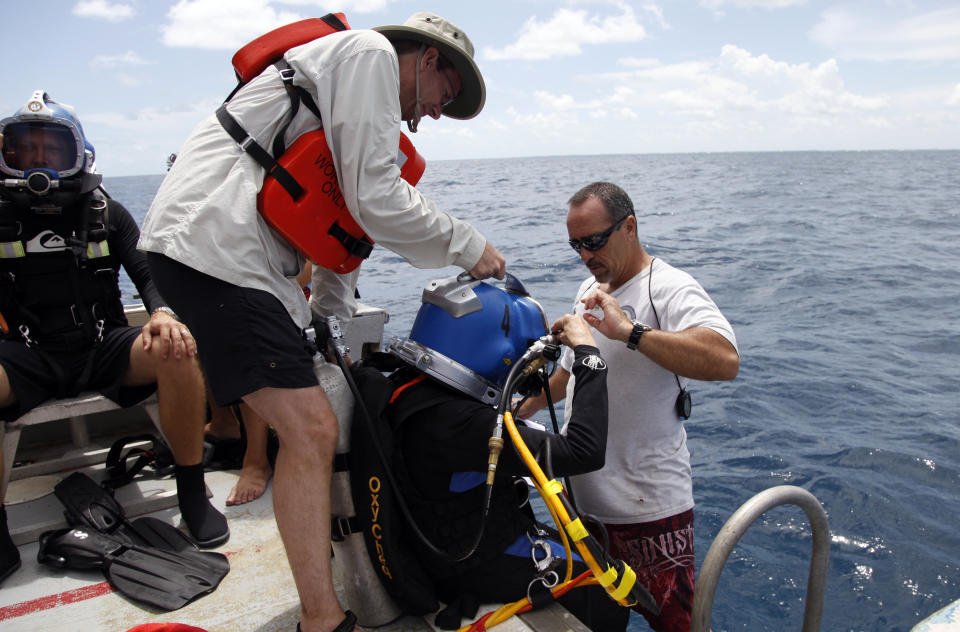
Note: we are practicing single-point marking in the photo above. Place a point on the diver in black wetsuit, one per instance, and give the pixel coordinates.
(62, 242)
(441, 430)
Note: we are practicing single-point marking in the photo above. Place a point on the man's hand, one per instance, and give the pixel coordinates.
(572, 331)
(165, 332)
(615, 325)
(491, 264)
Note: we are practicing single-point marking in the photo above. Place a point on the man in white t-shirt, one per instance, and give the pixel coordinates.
(660, 329)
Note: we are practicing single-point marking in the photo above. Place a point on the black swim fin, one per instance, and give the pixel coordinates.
(164, 579)
(150, 532)
(89, 504)
(92, 506)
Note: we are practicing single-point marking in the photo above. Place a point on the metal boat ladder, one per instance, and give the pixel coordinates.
(734, 529)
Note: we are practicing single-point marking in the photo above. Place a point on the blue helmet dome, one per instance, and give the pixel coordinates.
(468, 334)
(44, 144)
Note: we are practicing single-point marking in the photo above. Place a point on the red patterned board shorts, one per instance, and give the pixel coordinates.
(661, 554)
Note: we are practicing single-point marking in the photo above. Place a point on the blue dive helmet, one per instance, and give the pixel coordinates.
(469, 333)
(44, 149)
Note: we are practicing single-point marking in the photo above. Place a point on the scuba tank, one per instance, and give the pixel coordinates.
(363, 593)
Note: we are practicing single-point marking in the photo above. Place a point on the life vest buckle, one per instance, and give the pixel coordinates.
(286, 74)
(355, 246)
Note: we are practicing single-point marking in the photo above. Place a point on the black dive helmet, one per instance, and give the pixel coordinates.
(45, 160)
(469, 333)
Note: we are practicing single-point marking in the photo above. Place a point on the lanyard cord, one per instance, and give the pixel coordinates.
(654, 308)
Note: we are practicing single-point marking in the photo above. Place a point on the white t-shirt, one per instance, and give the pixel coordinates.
(647, 473)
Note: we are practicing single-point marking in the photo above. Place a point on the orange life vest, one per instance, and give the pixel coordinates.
(300, 197)
(318, 223)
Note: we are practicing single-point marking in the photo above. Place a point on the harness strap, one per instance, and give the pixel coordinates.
(286, 75)
(250, 145)
(342, 526)
(264, 159)
(335, 22)
(158, 455)
(358, 247)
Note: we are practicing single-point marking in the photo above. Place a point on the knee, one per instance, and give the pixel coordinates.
(324, 430)
(7, 397)
(182, 369)
(316, 433)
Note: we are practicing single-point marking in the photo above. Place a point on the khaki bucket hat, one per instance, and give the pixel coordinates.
(456, 47)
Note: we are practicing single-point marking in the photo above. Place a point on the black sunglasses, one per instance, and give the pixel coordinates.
(598, 241)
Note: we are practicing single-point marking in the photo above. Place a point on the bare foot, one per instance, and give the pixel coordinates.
(250, 486)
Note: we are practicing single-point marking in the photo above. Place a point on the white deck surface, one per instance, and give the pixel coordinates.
(257, 595)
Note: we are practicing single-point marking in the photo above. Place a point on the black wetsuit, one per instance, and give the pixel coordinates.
(443, 452)
(57, 289)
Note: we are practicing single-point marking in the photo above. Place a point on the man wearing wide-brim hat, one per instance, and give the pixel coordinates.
(232, 278)
(455, 48)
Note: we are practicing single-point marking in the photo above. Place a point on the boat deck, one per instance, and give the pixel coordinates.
(258, 594)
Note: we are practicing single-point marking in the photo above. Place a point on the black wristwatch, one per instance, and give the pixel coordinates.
(638, 330)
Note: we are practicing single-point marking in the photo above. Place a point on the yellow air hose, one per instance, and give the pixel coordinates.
(618, 579)
(620, 583)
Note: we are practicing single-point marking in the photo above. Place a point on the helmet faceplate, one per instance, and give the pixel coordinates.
(44, 135)
(468, 334)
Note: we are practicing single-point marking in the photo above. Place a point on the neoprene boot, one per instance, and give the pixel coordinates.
(9, 555)
(207, 525)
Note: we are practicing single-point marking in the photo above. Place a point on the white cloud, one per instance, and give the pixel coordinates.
(218, 24)
(638, 62)
(877, 36)
(112, 12)
(716, 5)
(221, 25)
(657, 13)
(879, 121)
(124, 139)
(564, 33)
(345, 6)
(128, 58)
(156, 118)
(735, 85)
(954, 98)
(129, 81)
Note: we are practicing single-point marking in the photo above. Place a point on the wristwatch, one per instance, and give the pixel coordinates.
(638, 330)
(165, 310)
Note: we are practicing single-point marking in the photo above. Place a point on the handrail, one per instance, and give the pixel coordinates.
(734, 529)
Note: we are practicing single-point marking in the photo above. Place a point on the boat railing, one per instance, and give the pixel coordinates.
(734, 529)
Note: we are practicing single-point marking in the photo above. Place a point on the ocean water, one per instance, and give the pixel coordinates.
(839, 273)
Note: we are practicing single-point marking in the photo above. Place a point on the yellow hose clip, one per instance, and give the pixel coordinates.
(627, 581)
(607, 578)
(577, 531)
(553, 487)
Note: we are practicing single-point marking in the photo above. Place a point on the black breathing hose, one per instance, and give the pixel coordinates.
(556, 430)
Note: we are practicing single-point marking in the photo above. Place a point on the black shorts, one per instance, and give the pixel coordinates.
(38, 376)
(246, 339)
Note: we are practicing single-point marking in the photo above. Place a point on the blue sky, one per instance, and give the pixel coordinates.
(579, 77)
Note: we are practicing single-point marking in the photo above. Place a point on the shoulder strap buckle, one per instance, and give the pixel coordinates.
(342, 526)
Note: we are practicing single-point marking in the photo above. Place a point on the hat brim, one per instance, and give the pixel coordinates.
(473, 92)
